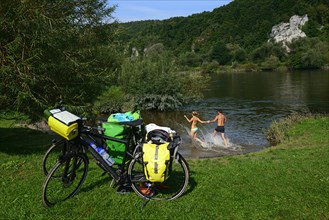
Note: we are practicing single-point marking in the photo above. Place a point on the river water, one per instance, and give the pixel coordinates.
(250, 101)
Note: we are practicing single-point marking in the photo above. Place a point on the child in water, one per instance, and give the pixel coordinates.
(194, 128)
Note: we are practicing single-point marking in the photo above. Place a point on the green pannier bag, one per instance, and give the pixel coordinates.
(113, 128)
(156, 160)
(115, 149)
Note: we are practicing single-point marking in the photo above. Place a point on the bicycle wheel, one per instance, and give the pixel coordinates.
(71, 174)
(173, 187)
(56, 151)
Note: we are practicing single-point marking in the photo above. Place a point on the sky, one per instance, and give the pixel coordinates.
(136, 10)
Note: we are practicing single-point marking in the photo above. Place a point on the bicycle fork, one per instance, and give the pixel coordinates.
(69, 175)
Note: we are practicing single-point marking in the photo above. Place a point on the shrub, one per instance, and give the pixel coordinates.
(240, 55)
(190, 59)
(270, 63)
(277, 132)
(220, 53)
(308, 53)
(154, 83)
(110, 101)
(160, 102)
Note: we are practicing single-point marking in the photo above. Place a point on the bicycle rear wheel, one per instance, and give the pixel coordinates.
(173, 187)
(55, 152)
(64, 179)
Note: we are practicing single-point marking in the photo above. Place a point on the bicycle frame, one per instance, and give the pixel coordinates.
(93, 136)
(71, 167)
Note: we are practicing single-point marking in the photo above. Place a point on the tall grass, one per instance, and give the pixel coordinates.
(277, 132)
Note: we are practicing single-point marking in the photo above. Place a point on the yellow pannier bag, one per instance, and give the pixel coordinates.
(65, 124)
(156, 160)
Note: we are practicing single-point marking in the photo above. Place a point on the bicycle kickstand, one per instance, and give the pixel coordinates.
(144, 201)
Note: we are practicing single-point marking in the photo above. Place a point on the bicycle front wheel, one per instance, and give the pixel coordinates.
(57, 151)
(173, 187)
(64, 179)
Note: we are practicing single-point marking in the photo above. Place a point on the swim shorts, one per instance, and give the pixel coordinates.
(194, 129)
(220, 129)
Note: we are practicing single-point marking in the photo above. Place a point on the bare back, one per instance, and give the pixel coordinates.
(221, 119)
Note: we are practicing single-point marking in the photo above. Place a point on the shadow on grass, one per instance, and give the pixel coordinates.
(91, 186)
(192, 185)
(18, 141)
(107, 180)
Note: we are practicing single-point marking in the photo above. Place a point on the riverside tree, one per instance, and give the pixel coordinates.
(52, 49)
(151, 82)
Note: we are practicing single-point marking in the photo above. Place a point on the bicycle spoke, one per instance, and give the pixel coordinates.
(53, 154)
(171, 188)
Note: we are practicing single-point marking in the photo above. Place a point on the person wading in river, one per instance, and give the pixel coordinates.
(221, 119)
(194, 128)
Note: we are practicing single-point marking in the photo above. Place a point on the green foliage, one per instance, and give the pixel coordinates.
(11, 118)
(70, 50)
(154, 82)
(279, 131)
(190, 59)
(158, 102)
(308, 54)
(311, 28)
(210, 67)
(220, 53)
(154, 50)
(267, 50)
(110, 101)
(239, 55)
(193, 83)
(244, 24)
(318, 25)
(270, 63)
(51, 50)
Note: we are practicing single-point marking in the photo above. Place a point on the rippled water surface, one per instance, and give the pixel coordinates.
(250, 101)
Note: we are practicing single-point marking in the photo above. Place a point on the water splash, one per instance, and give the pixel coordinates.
(211, 143)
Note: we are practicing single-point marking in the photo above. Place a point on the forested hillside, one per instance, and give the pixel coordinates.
(243, 24)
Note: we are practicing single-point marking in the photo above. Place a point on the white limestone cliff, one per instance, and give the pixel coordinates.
(287, 32)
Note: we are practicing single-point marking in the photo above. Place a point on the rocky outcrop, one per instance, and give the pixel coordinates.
(287, 32)
(134, 52)
(153, 49)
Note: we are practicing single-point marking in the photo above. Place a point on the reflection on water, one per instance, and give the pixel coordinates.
(251, 101)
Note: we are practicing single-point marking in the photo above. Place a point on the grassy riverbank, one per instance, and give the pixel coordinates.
(289, 181)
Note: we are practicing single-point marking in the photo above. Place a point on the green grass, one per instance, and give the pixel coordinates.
(289, 181)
